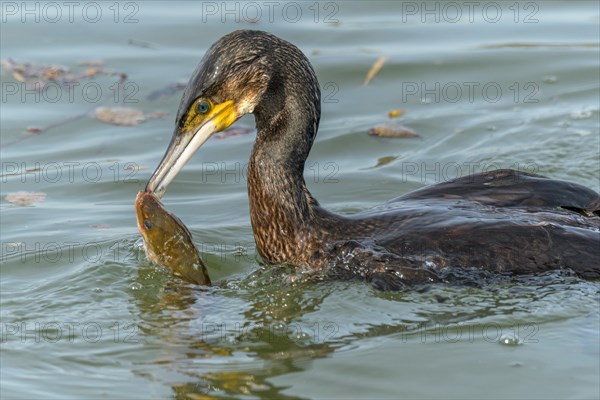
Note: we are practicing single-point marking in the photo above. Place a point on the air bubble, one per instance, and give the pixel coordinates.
(581, 114)
(510, 340)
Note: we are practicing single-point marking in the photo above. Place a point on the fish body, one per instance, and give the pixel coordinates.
(167, 240)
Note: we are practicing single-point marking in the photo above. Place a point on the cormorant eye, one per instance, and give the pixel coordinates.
(203, 107)
(147, 224)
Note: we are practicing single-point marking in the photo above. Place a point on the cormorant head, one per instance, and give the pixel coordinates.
(240, 71)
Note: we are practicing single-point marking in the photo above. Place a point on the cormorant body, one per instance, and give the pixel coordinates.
(503, 221)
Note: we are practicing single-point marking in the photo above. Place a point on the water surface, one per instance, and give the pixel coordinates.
(84, 315)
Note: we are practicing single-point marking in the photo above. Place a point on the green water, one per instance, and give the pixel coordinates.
(84, 315)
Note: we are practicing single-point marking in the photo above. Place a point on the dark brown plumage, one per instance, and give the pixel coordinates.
(502, 221)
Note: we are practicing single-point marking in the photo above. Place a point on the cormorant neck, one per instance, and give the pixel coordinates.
(281, 207)
(278, 158)
(287, 116)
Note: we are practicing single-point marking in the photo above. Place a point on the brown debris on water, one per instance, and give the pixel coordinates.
(124, 116)
(17, 75)
(393, 131)
(384, 161)
(381, 161)
(119, 116)
(375, 69)
(36, 76)
(396, 113)
(33, 130)
(25, 198)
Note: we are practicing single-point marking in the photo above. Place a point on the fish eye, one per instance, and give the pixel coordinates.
(203, 107)
(147, 224)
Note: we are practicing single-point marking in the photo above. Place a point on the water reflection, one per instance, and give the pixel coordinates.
(235, 338)
(223, 342)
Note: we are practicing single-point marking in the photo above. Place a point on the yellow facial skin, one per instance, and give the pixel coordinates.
(194, 130)
(167, 240)
(222, 115)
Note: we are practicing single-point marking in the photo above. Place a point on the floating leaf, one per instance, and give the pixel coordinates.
(393, 131)
(381, 161)
(52, 73)
(25, 198)
(36, 76)
(124, 115)
(18, 76)
(385, 160)
(375, 69)
(119, 116)
(396, 113)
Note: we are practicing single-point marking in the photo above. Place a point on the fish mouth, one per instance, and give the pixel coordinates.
(139, 210)
(145, 202)
(150, 210)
